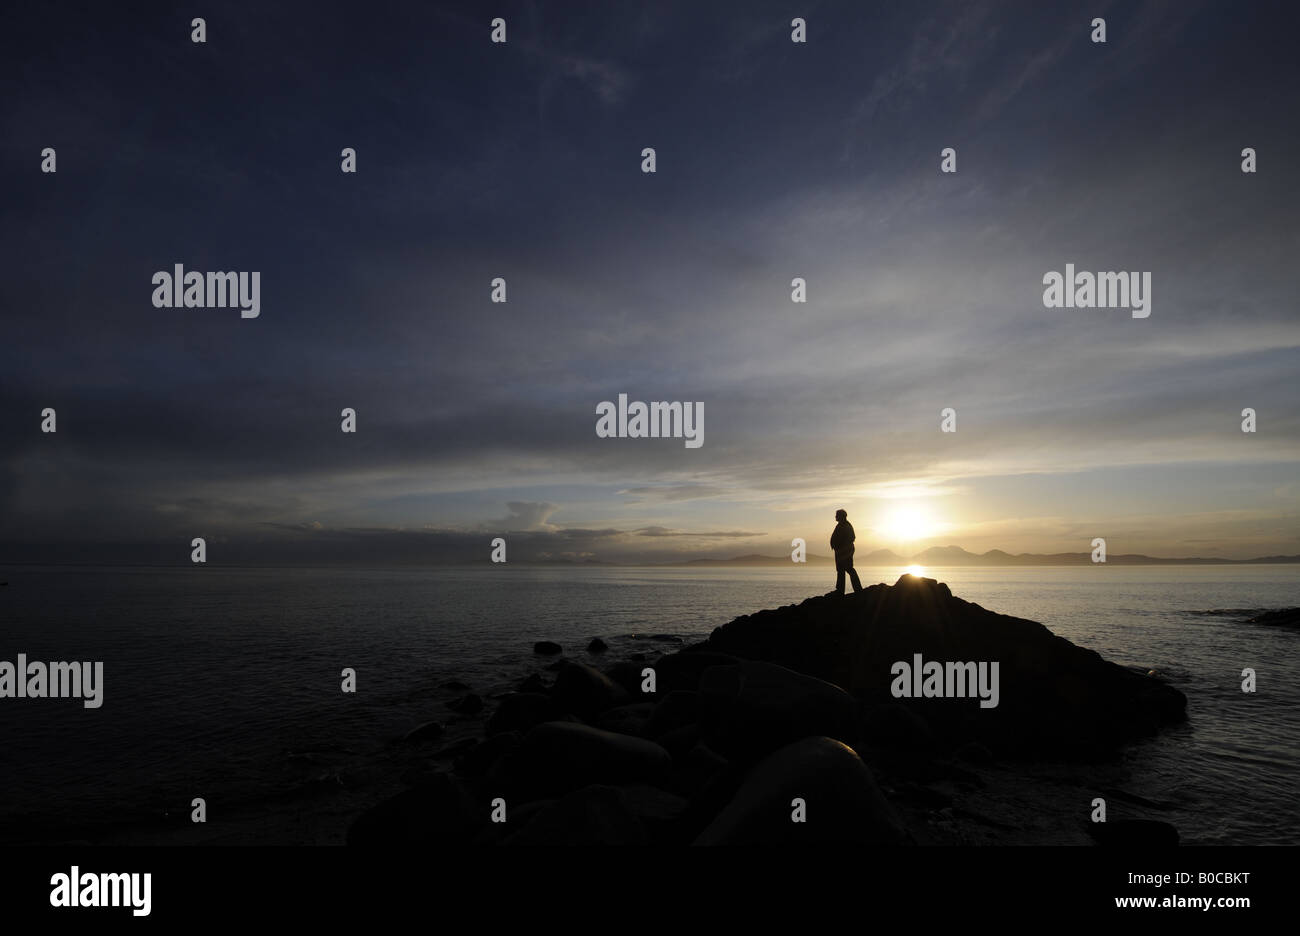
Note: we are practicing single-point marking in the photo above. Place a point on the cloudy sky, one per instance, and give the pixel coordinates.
(775, 160)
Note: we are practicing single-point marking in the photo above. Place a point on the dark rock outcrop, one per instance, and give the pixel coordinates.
(547, 648)
(1286, 617)
(840, 801)
(762, 725)
(1055, 698)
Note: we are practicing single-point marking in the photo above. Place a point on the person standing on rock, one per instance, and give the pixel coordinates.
(842, 543)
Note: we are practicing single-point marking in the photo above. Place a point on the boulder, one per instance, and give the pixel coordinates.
(517, 817)
(694, 770)
(627, 675)
(479, 760)
(891, 725)
(661, 813)
(434, 814)
(677, 709)
(429, 731)
(456, 748)
(680, 740)
(520, 711)
(547, 648)
(533, 683)
(470, 704)
(972, 752)
(418, 774)
(557, 757)
(841, 802)
(585, 690)
(626, 719)
(751, 708)
(592, 815)
(597, 646)
(682, 670)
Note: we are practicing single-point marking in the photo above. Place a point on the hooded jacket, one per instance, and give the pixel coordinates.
(842, 538)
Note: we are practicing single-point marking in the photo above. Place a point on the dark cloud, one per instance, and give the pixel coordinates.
(720, 534)
(522, 161)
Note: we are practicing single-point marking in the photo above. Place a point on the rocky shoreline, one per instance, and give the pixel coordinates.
(781, 728)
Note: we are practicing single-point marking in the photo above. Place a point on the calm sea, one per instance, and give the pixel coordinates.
(225, 682)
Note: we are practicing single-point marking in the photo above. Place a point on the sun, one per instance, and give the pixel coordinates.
(909, 522)
(917, 570)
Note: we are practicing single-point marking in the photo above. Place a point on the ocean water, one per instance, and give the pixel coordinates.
(225, 682)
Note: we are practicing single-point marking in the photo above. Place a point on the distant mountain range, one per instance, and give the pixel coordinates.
(956, 556)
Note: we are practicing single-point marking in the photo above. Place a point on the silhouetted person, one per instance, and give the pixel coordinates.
(842, 543)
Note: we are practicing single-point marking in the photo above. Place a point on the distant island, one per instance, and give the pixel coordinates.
(956, 556)
(934, 557)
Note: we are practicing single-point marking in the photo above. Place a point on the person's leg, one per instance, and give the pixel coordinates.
(853, 577)
(839, 578)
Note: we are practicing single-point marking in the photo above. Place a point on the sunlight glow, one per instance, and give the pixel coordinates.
(906, 523)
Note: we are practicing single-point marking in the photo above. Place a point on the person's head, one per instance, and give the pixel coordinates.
(841, 514)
